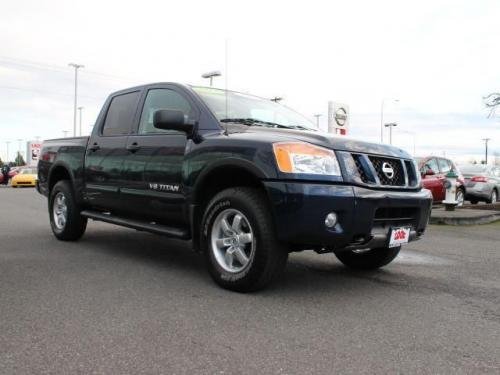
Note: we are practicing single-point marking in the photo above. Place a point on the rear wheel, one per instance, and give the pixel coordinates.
(238, 237)
(65, 220)
(474, 201)
(369, 259)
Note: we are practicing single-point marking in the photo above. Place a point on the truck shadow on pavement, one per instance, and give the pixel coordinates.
(305, 272)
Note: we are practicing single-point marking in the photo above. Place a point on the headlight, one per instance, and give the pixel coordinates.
(301, 157)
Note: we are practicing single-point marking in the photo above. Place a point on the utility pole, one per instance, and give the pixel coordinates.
(486, 140)
(80, 126)
(76, 66)
(390, 126)
(317, 115)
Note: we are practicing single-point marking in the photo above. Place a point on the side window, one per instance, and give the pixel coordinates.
(444, 165)
(121, 114)
(161, 99)
(432, 165)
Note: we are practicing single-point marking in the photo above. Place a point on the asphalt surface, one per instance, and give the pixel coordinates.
(120, 301)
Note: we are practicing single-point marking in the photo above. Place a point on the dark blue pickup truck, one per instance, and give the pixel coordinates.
(246, 179)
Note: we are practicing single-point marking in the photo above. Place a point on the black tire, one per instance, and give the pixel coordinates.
(370, 259)
(267, 260)
(75, 224)
(474, 201)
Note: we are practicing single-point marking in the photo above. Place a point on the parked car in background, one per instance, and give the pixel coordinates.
(14, 171)
(26, 177)
(482, 183)
(433, 170)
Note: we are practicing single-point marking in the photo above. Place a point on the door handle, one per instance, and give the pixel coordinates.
(94, 147)
(133, 147)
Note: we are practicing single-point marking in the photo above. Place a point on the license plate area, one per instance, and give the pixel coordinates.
(399, 236)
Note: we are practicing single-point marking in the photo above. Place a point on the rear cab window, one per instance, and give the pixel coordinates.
(120, 115)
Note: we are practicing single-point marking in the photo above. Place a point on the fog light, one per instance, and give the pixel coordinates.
(331, 220)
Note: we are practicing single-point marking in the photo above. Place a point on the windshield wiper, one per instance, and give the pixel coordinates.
(252, 121)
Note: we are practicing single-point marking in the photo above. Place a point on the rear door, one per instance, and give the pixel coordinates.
(444, 167)
(106, 152)
(153, 168)
(432, 182)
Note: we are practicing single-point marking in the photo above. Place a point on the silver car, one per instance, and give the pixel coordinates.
(482, 183)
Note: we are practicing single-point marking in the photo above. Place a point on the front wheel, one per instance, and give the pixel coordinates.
(65, 219)
(239, 240)
(369, 259)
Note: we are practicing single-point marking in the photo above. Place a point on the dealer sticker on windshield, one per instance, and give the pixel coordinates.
(399, 236)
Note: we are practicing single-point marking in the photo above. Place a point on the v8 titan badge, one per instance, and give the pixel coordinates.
(399, 236)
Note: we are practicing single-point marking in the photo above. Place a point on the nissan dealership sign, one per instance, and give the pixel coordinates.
(338, 118)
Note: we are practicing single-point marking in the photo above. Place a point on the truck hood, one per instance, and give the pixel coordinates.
(338, 143)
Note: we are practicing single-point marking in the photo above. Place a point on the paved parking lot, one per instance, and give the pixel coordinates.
(121, 301)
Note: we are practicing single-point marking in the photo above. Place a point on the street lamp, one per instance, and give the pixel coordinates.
(486, 140)
(277, 99)
(317, 115)
(390, 125)
(382, 117)
(76, 66)
(80, 109)
(211, 75)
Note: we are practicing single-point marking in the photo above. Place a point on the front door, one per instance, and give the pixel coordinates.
(153, 169)
(106, 152)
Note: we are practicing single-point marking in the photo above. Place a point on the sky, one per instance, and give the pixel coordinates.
(437, 58)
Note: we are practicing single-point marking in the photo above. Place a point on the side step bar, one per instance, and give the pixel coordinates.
(137, 224)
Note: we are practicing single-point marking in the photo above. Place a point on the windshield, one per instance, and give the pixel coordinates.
(28, 171)
(251, 110)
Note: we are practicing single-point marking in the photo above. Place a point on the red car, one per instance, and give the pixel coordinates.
(12, 173)
(433, 170)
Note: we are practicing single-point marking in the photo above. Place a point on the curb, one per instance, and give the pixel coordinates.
(485, 219)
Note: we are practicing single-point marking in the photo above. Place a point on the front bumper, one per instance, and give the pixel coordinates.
(365, 216)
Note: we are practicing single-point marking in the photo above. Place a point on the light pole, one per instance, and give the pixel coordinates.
(211, 75)
(382, 117)
(76, 66)
(486, 140)
(277, 99)
(390, 125)
(317, 115)
(80, 109)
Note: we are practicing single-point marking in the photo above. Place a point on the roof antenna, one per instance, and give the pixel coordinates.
(226, 47)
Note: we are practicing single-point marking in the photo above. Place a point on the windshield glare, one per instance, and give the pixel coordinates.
(248, 107)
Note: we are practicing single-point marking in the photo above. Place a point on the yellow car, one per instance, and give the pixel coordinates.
(26, 177)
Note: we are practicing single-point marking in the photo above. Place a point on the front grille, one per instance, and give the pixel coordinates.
(358, 159)
(384, 171)
(389, 171)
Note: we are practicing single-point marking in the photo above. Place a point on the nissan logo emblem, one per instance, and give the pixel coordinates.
(388, 170)
(341, 116)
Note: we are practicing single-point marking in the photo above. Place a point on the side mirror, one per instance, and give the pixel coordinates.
(169, 119)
